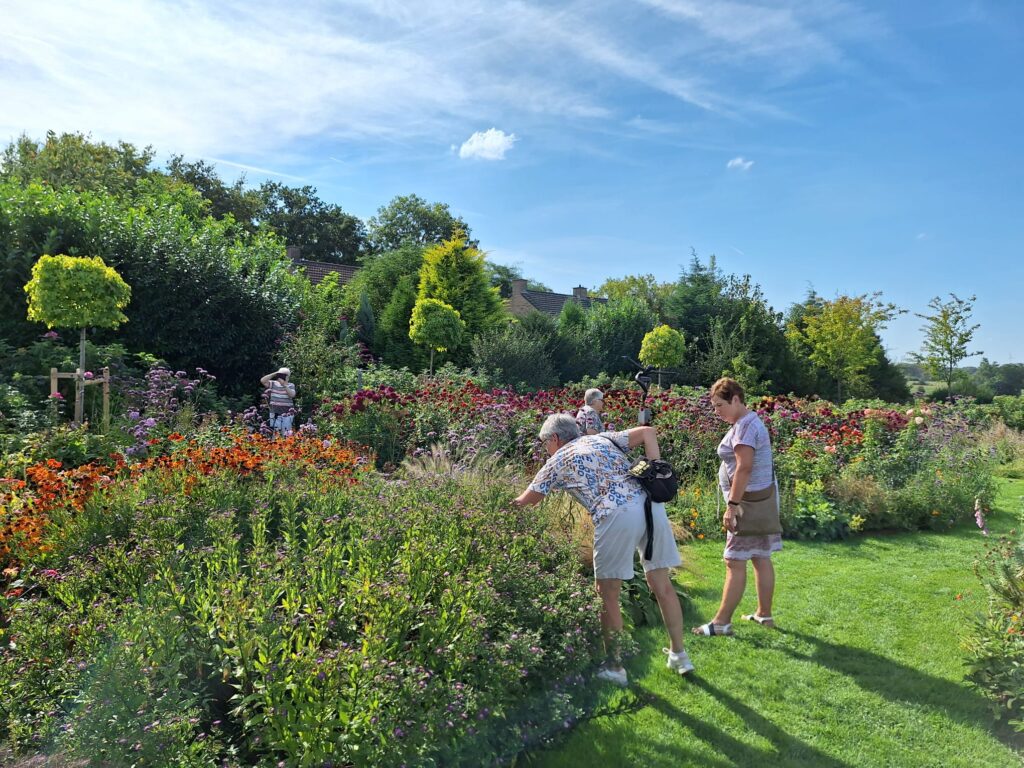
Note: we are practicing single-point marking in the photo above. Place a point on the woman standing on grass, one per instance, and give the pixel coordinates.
(746, 454)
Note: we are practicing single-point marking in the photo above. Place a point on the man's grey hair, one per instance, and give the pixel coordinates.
(561, 424)
(591, 395)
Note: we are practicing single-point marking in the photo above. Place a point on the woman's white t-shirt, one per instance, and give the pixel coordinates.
(749, 430)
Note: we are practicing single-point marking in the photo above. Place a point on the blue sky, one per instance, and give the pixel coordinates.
(851, 147)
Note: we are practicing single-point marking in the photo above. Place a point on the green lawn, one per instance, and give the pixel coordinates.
(864, 670)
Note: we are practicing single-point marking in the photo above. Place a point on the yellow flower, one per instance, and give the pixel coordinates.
(700, 535)
(935, 513)
(693, 525)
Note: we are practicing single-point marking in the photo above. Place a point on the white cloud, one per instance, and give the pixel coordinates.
(739, 164)
(491, 144)
(255, 81)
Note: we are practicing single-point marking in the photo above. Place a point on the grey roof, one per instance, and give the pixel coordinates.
(552, 303)
(318, 270)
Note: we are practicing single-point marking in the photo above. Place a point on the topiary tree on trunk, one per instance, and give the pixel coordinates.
(436, 325)
(73, 292)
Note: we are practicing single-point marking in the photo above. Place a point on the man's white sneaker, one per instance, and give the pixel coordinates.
(680, 662)
(616, 676)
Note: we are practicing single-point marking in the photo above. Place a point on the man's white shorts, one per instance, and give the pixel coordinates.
(618, 535)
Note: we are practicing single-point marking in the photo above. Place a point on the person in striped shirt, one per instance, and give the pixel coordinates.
(281, 394)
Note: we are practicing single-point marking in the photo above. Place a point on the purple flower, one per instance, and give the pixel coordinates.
(51, 335)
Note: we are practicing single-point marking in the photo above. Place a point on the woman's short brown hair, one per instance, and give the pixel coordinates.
(727, 389)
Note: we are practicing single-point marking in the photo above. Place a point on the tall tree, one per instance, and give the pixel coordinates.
(725, 316)
(74, 161)
(646, 288)
(616, 330)
(947, 334)
(242, 204)
(323, 230)
(842, 338)
(411, 219)
(392, 340)
(453, 272)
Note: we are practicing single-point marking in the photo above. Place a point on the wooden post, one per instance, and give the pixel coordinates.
(79, 396)
(106, 400)
(53, 381)
(80, 382)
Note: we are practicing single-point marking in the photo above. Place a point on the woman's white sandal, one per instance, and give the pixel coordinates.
(712, 630)
(764, 621)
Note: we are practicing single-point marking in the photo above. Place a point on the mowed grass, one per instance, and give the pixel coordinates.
(865, 669)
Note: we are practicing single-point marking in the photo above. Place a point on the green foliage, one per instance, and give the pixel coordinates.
(1007, 379)
(947, 334)
(411, 220)
(392, 341)
(73, 161)
(725, 317)
(1011, 410)
(515, 357)
(809, 514)
(842, 338)
(69, 292)
(995, 645)
(662, 347)
(646, 288)
(201, 295)
(319, 349)
(366, 325)
(244, 205)
(436, 325)
(453, 273)
(615, 331)
(323, 230)
(254, 622)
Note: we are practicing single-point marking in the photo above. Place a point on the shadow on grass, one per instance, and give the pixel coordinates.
(899, 683)
(788, 750)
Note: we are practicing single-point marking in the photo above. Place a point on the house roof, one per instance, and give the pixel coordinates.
(552, 303)
(318, 270)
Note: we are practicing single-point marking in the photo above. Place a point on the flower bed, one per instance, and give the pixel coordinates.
(859, 467)
(266, 603)
(26, 504)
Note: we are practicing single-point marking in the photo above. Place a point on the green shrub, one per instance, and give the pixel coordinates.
(1010, 409)
(808, 514)
(514, 358)
(995, 645)
(292, 621)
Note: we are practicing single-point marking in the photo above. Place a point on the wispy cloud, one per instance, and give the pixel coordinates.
(252, 80)
(491, 144)
(739, 164)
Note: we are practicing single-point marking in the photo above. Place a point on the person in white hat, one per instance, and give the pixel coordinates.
(281, 394)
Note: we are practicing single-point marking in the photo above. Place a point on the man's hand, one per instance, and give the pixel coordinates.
(528, 498)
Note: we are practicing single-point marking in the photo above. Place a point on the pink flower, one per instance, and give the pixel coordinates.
(56, 396)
